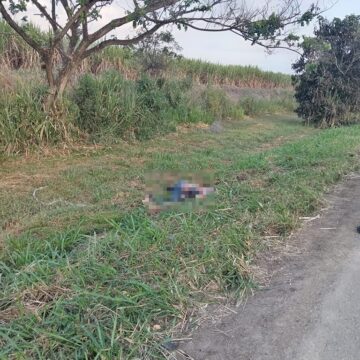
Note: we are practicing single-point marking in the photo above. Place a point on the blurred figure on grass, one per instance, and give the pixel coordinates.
(169, 192)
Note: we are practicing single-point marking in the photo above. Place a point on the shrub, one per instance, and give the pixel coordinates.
(255, 106)
(326, 84)
(23, 123)
(125, 108)
(103, 102)
(217, 103)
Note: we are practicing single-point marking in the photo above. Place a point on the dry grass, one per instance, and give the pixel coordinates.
(15, 54)
(31, 301)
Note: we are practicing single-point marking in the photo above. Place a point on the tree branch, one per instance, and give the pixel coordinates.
(43, 11)
(121, 42)
(85, 28)
(53, 11)
(274, 47)
(66, 7)
(155, 5)
(73, 19)
(225, 28)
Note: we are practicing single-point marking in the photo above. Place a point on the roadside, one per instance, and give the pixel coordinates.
(310, 308)
(106, 177)
(87, 272)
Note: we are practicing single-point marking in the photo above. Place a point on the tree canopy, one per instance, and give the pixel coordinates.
(328, 73)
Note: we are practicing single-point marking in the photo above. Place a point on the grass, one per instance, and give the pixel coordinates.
(107, 107)
(203, 72)
(108, 280)
(15, 54)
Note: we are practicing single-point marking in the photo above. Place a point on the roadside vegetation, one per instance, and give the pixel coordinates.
(87, 272)
(107, 108)
(16, 54)
(114, 97)
(327, 74)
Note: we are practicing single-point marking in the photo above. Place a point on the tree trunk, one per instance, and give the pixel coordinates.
(57, 86)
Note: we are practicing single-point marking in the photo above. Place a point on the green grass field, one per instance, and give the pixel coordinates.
(87, 273)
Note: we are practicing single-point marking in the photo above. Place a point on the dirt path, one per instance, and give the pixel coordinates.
(311, 308)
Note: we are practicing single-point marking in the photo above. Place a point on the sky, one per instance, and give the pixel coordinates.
(227, 48)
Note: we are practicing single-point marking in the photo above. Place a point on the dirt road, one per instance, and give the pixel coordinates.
(311, 308)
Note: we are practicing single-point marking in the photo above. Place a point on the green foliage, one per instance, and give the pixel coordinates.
(104, 102)
(107, 108)
(154, 52)
(328, 73)
(254, 106)
(215, 74)
(216, 102)
(111, 104)
(24, 124)
(265, 28)
(134, 62)
(109, 280)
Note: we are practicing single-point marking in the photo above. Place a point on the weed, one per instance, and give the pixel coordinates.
(109, 280)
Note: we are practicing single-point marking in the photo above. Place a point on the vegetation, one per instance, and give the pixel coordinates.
(16, 54)
(328, 73)
(137, 110)
(87, 273)
(253, 106)
(108, 108)
(115, 95)
(242, 76)
(71, 40)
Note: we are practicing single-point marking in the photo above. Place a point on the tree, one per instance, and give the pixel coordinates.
(154, 52)
(75, 35)
(327, 83)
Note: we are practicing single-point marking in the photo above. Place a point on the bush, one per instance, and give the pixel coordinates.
(125, 108)
(255, 106)
(23, 123)
(128, 109)
(217, 103)
(104, 103)
(326, 84)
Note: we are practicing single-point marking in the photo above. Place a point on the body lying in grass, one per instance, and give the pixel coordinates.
(179, 192)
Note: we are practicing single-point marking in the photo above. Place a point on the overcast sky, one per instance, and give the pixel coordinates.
(226, 48)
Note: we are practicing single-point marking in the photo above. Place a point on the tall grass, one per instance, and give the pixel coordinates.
(109, 107)
(105, 108)
(242, 76)
(16, 54)
(253, 106)
(111, 98)
(111, 104)
(23, 122)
